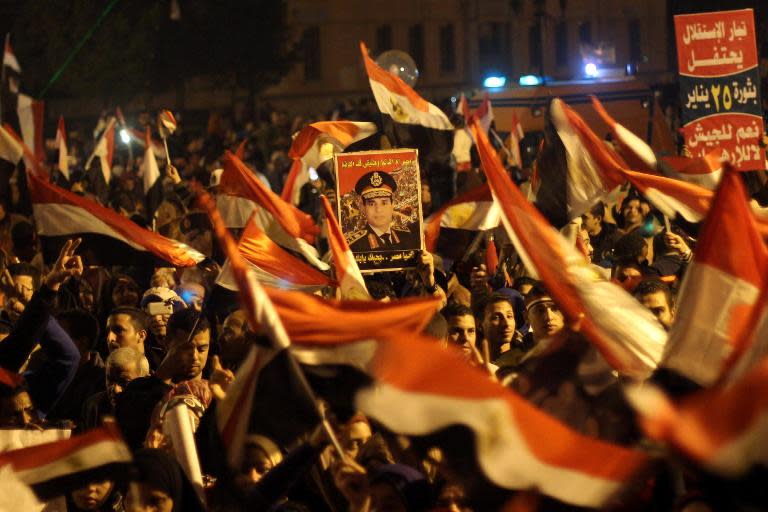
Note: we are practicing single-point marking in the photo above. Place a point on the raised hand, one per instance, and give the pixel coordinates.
(67, 265)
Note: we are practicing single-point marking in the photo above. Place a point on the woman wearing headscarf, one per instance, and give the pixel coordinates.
(160, 485)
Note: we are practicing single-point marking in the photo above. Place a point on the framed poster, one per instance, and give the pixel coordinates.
(379, 207)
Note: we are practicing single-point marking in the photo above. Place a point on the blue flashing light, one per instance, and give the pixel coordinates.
(590, 69)
(531, 80)
(493, 82)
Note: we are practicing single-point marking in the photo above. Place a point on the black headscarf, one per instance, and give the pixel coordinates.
(161, 471)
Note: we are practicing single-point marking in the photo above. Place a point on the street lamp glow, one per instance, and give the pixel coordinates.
(590, 69)
(125, 136)
(493, 82)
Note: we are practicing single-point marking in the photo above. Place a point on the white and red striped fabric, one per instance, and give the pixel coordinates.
(286, 225)
(348, 276)
(11, 149)
(474, 211)
(587, 181)
(104, 150)
(55, 468)
(272, 265)
(166, 123)
(31, 162)
(308, 143)
(720, 288)
(420, 388)
(61, 145)
(484, 113)
(705, 172)
(462, 107)
(398, 100)
(138, 136)
(31, 113)
(59, 212)
(725, 428)
(630, 339)
(150, 171)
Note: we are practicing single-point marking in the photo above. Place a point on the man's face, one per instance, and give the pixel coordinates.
(462, 332)
(586, 243)
(657, 303)
(633, 212)
(499, 323)
(378, 212)
(118, 378)
(591, 223)
(125, 293)
(545, 319)
(17, 410)
(158, 325)
(25, 287)
(192, 356)
(122, 333)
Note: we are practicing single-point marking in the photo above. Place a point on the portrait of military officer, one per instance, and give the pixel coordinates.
(376, 190)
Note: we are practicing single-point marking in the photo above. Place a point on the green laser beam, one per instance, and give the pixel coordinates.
(78, 47)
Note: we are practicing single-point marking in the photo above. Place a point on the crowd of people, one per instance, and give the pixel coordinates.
(127, 343)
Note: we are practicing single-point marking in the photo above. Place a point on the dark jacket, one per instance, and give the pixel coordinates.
(47, 383)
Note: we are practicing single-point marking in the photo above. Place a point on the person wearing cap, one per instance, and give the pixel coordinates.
(165, 302)
(376, 190)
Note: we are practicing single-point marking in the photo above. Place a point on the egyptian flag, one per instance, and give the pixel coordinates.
(9, 89)
(669, 195)
(298, 408)
(308, 149)
(108, 237)
(461, 218)
(630, 338)
(351, 283)
(724, 429)
(286, 225)
(462, 107)
(153, 184)
(586, 182)
(410, 121)
(420, 389)
(720, 287)
(272, 265)
(104, 151)
(484, 113)
(61, 145)
(31, 113)
(57, 468)
(11, 148)
(31, 163)
(639, 156)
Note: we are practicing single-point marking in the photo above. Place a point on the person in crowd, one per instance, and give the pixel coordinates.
(123, 365)
(462, 331)
(96, 496)
(657, 297)
(602, 234)
(25, 279)
(160, 485)
(159, 304)
(127, 327)
(189, 339)
(499, 326)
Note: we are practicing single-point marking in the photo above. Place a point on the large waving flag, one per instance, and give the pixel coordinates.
(108, 237)
(104, 151)
(630, 338)
(705, 171)
(307, 148)
(272, 265)
(472, 211)
(286, 225)
(56, 468)
(399, 101)
(720, 288)
(724, 429)
(420, 389)
(31, 162)
(348, 274)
